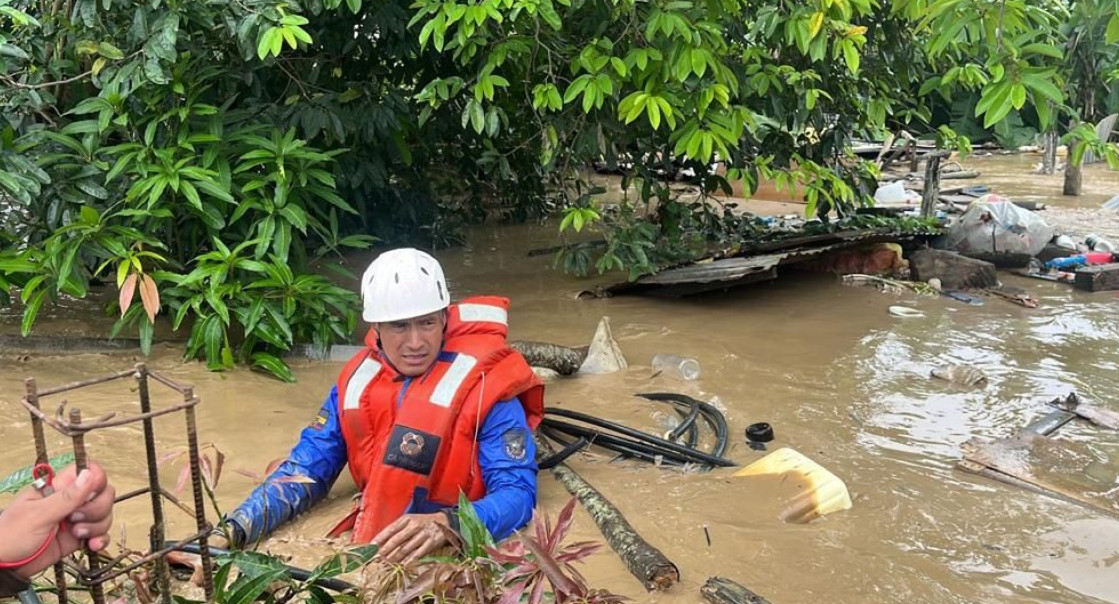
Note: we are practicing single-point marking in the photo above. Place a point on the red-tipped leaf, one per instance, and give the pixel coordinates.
(127, 290)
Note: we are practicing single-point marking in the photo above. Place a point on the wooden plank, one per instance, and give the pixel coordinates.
(1099, 278)
(1003, 460)
(1051, 422)
(977, 468)
(1058, 277)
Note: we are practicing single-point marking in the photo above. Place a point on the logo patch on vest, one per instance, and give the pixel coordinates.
(320, 421)
(412, 450)
(514, 444)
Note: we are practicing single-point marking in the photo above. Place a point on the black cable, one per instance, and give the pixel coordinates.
(713, 416)
(696, 454)
(693, 430)
(632, 442)
(336, 585)
(568, 450)
(687, 422)
(607, 441)
(626, 446)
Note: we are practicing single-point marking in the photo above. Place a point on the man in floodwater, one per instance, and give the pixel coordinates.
(436, 405)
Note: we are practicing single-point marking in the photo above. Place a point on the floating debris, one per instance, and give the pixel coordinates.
(961, 375)
(1105, 418)
(905, 312)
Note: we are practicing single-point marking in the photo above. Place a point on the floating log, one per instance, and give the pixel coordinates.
(655, 571)
(1099, 278)
(544, 251)
(563, 360)
(718, 590)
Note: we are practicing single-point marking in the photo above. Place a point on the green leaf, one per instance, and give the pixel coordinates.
(32, 311)
(1040, 48)
(1018, 96)
(344, 562)
(851, 56)
(247, 591)
(271, 364)
(1113, 29)
(190, 193)
(109, 51)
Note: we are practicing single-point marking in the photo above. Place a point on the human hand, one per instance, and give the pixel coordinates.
(412, 537)
(84, 502)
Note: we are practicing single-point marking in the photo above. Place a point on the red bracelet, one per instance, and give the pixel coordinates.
(43, 475)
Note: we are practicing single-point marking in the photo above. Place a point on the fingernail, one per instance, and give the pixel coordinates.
(83, 478)
(77, 517)
(91, 497)
(81, 533)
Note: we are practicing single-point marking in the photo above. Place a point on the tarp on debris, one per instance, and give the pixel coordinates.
(994, 224)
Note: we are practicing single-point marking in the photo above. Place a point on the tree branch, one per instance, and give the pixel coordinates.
(14, 84)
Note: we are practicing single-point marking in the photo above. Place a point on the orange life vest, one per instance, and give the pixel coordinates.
(416, 440)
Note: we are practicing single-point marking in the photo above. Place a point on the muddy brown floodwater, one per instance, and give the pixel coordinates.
(839, 378)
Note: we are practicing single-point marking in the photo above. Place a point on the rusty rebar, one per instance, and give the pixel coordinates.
(85, 383)
(132, 494)
(41, 457)
(109, 574)
(81, 461)
(170, 383)
(156, 534)
(70, 430)
(199, 503)
(175, 500)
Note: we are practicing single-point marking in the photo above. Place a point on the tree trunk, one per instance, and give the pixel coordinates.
(932, 182)
(1073, 178)
(1049, 160)
(718, 590)
(647, 563)
(561, 359)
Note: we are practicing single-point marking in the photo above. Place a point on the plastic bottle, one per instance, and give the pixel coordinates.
(1099, 244)
(1066, 242)
(676, 366)
(1080, 260)
(1070, 262)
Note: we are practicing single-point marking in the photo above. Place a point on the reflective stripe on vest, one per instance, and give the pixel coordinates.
(483, 312)
(449, 384)
(361, 378)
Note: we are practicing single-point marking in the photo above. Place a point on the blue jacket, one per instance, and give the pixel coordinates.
(320, 455)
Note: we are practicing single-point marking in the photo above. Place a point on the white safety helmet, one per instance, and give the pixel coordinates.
(403, 284)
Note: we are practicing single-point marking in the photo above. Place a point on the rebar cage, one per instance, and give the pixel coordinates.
(96, 572)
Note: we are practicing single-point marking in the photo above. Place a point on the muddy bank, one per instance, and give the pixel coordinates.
(839, 379)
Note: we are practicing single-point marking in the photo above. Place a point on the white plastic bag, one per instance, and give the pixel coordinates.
(994, 224)
(895, 193)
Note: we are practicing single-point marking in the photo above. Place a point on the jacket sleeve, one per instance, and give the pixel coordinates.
(507, 456)
(318, 458)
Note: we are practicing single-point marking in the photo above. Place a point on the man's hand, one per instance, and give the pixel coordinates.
(84, 502)
(412, 537)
